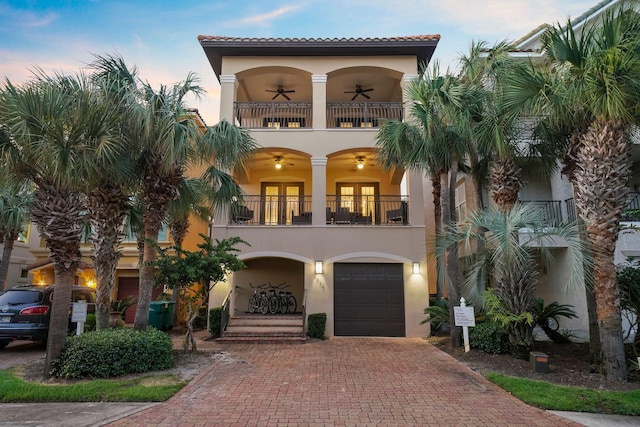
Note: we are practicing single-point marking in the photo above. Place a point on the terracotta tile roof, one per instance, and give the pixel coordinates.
(217, 47)
(425, 37)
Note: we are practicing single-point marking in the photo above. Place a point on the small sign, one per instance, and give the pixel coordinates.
(464, 316)
(79, 312)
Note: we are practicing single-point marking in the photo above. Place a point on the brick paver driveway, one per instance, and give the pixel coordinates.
(341, 382)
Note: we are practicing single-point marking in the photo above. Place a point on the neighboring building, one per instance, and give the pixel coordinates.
(21, 257)
(555, 195)
(319, 213)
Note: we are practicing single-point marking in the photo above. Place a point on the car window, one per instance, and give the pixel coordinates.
(17, 297)
(83, 296)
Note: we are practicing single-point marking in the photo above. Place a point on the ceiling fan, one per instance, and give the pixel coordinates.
(279, 162)
(280, 91)
(359, 91)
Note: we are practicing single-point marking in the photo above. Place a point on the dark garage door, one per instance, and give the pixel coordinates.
(368, 300)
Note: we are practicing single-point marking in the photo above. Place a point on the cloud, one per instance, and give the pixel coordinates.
(267, 18)
(25, 19)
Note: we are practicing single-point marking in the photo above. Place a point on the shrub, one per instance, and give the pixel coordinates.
(215, 322)
(114, 352)
(437, 314)
(489, 337)
(317, 323)
(200, 322)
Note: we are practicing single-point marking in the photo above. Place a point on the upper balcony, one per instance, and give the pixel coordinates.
(287, 98)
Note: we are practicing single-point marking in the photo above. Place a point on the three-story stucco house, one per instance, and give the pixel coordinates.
(346, 237)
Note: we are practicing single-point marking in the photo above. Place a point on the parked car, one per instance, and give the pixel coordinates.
(25, 311)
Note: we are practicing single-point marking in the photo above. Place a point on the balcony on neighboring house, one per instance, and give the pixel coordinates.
(340, 210)
(551, 211)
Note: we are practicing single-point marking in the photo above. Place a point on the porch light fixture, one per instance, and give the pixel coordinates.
(318, 267)
(416, 268)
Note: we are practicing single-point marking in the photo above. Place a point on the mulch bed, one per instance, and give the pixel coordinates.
(568, 365)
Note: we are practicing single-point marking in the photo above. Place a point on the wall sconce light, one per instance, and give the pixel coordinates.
(416, 268)
(318, 267)
(91, 283)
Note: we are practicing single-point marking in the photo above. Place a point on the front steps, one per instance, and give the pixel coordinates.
(264, 329)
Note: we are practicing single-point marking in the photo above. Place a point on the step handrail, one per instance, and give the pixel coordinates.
(225, 313)
(304, 312)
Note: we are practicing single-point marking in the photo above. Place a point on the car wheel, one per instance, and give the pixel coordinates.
(4, 343)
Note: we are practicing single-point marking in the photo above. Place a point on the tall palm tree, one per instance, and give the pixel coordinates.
(434, 139)
(58, 127)
(15, 203)
(598, 101)
(170, 141)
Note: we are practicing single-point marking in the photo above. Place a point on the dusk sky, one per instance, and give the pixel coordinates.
(160, 37)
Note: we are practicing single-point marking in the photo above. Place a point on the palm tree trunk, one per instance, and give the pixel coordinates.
(147, 271)
(436, 189)
(6, 259)
(570, 170)
(601, 194)
(451, 260)
(504, 181)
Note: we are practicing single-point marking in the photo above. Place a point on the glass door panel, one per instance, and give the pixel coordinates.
(281, 201)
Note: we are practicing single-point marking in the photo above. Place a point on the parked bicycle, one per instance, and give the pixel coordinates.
(259, 301)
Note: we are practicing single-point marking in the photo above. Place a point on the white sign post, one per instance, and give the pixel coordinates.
(464, 317)
(79, 315)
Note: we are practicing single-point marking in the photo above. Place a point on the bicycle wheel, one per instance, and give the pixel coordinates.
(553, 324)
(253, 304)
(282, 304)
(273, 304)
(292, 304)
(264, 305)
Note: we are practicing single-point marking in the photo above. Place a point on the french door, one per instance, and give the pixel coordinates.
(280, 202)
(359, 197)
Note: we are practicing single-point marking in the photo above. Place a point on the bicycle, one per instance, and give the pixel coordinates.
(258, 302)
(274, 298)
(286, 301)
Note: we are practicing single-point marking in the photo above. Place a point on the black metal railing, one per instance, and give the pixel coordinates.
(224, 316)
(631, 212)
(271, 210)
(339, 210)
(367, 210)
(551, 211)
(277, 115)
(362, 114)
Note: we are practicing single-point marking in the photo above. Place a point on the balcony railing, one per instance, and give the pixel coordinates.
(551, 211)
(362, 114)
(630, 213)
(277, 115)
(339, 210)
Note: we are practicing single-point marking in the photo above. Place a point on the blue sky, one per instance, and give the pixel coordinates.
(160, 37)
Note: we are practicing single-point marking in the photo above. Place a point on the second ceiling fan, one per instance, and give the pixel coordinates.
(281, 91)
(359, 91)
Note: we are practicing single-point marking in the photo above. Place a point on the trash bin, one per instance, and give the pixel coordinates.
(167, 323)
(157, 312)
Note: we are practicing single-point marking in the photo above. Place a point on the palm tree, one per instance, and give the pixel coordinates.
(58, 127)
(170, 141)
(433, 140)
(599, 72)
(512, 256)
(14, 213)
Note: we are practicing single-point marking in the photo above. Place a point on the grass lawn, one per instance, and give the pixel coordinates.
(563, 398)
(152, 388)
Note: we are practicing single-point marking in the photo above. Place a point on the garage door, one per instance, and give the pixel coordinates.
(129, 286)
(368, 300)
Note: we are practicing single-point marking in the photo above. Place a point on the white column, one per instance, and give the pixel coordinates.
(319, 86)
(406, 102)
(416, 199)
(319, 190)
(228, 91)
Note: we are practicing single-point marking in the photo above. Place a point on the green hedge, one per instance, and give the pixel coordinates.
(317, 323)
(489, 337)
(114, 352)
(215, 322)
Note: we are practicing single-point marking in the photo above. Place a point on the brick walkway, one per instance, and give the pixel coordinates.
(341, 382)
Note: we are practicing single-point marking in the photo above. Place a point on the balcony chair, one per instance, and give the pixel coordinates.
(241, 214)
